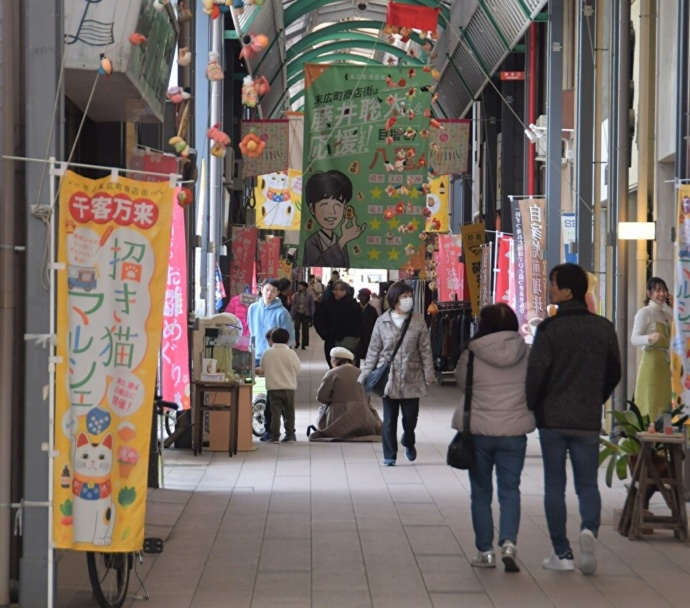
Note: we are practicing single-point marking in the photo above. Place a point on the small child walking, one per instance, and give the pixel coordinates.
(280, 366)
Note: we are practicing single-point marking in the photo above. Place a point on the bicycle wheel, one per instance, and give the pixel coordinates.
(170, 422)
(258, 416)
(109, 576)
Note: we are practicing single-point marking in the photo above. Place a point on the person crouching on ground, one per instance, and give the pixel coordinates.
(410, 372)
(499, 422)
(280, 365)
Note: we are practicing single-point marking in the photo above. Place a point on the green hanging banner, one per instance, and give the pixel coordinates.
(366, 167)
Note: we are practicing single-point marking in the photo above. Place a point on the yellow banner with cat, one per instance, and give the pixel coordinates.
(114, 236)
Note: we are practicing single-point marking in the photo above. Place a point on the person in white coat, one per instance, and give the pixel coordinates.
(499, 422)
(652, 332)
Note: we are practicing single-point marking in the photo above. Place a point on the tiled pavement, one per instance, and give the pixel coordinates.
(325, 525)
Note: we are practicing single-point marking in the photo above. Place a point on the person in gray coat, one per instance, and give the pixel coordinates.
(499, 422)
(410, 372)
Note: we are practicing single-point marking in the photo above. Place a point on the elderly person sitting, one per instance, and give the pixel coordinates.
(345, 413)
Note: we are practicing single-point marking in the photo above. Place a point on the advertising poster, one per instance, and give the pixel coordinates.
(680, 352)
(504, 272)
(451, 271)
(273, 156)
(114, 242)
(243, 259)
(366, 165)
(278, 199)
(473, 237)
(437, 207)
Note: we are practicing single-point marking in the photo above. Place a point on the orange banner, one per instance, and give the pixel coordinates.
(114, 237)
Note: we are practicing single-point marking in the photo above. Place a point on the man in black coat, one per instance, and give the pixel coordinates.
(339, 321)
(369, 316)
(574, 366)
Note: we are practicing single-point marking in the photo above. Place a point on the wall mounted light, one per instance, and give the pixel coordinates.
(636, 231)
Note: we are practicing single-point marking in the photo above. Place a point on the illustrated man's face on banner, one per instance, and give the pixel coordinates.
(328, 212)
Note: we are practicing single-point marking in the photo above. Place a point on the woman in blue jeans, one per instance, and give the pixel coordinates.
(499, 421)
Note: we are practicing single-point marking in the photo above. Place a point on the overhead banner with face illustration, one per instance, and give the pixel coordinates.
(365, 169)
(114, 239)
(278, 198)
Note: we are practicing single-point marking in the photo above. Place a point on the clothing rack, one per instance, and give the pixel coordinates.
(451, 328)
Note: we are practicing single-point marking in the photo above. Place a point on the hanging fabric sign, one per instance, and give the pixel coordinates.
(243, 259)
(504, 271)
(451, 271)
(114, 239)
(365, 165)
(529, 222)
(680, 351)
(264, 147)
(269, 258)
(278, 199)
(449, 147)
(473, 237)
(410, 16)
(485, 277)
(437, 207)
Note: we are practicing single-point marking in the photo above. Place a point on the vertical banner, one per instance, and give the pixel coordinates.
(365, 171)
(529, 223)
(504, 271)
(680, 354)
(568, 230)
(473, 237)
(451, 271)
(269, 152)
(437, 207)
(278, 199)
(485, 276)
(269, 259)
(449, 147)
(243, 259)
(175, 382)
(114, 239)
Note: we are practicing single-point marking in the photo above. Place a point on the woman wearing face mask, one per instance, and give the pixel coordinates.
(410, 371)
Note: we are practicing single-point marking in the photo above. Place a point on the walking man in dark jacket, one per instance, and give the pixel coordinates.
(339, 321)
(574, 366)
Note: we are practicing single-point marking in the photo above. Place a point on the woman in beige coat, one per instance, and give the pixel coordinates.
(410, 372)
(345, 413)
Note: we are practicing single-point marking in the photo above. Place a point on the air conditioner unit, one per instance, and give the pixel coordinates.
(232, 171)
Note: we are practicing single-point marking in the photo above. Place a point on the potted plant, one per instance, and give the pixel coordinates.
(622, 456)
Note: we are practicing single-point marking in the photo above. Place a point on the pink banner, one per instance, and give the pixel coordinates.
(451, 272)
(243, 259)
(175, 346)
(505, 270)
(269, 259)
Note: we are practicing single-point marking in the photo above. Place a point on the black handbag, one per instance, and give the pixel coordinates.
(461, 449)
(376, 381)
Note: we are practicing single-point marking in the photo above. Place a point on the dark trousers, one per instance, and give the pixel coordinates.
(389, 433)
(301, 321)
(327, 345)
(282, 401)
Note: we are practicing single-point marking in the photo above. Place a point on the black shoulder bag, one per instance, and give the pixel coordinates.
(376, 381)
(461, 449)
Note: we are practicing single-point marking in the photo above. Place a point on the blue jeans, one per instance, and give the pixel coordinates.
(389, 432)
(507, 454)
(584, 458)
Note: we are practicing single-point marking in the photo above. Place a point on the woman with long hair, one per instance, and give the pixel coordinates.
(499, 423)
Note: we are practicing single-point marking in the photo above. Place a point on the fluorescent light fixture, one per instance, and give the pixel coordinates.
(636, 231)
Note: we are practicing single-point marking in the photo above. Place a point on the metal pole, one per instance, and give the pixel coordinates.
(8, 119)
(43, 44)
(584, 137)
(554, 126)
(598, 111)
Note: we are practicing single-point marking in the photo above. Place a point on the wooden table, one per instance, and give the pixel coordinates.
(231, 388)
(668, 480)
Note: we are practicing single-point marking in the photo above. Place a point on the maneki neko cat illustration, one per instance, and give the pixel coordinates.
(277, 209)
(93, 510)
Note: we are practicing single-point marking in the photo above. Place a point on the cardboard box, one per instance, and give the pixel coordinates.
(219, 422)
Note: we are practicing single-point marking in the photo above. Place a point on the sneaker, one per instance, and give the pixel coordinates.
(509, 556)
(559, 563)
(411, 453)
(266, 436)
(484, 559)
(389, 462)
(289, 438)
(304, 348)
(274, 439)
(588, 561)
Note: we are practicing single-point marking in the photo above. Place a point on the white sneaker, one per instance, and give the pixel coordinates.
(588, 561)
(484, 559)
(559, 563)
(509, 556)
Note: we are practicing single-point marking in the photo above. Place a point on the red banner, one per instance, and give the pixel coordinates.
(269, 259)
(451, 272)
(416, 17)
(505, 270)
(243, 259)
